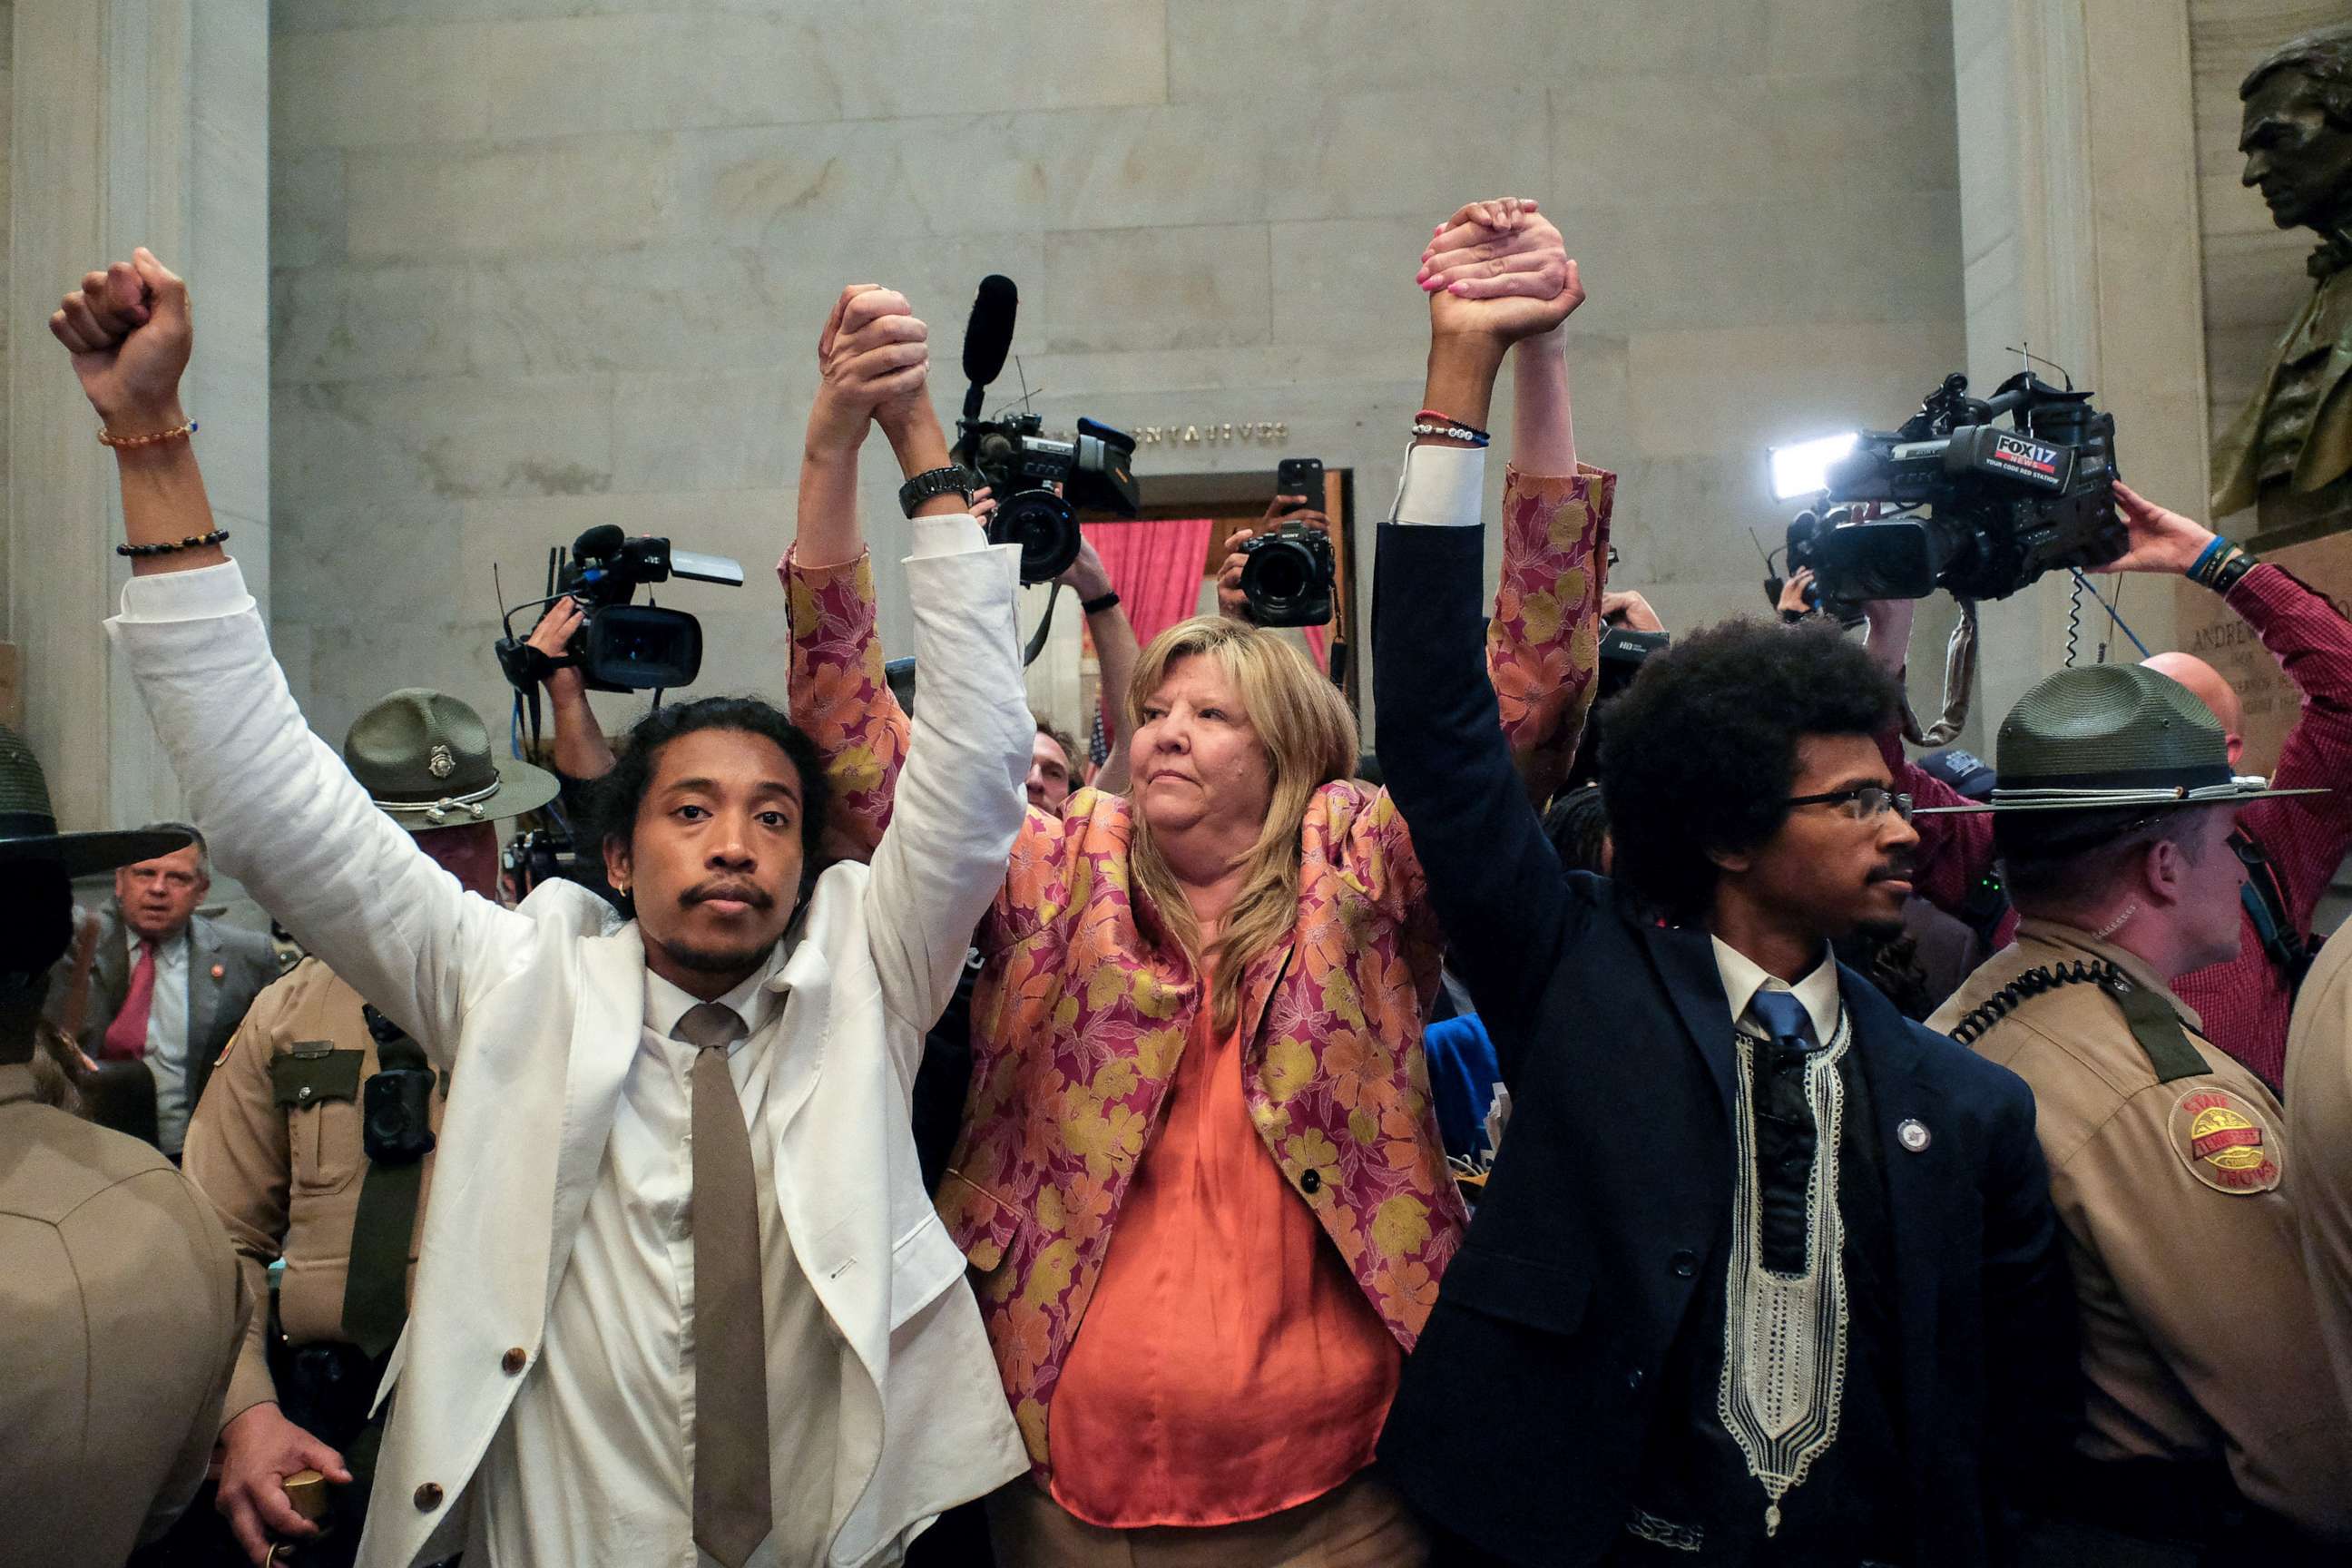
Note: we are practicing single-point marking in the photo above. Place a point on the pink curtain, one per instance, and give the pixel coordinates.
(1156, 566)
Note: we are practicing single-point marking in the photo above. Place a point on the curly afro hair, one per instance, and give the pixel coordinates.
(1698, 755)
(613, 799)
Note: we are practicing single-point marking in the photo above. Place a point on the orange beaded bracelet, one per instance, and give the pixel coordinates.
(177, 433)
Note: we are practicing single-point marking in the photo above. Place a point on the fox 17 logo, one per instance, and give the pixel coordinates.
(2030, 458)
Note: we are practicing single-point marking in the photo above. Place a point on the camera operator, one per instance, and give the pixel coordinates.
(1198, 1022)
(2289, 847)
(315, 1143)
(1797, 601)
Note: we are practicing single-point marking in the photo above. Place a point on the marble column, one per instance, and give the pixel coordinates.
(2078, 219)
(132, 122)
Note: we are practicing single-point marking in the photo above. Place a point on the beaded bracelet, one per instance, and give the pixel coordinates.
(1451, 432)
(194, 541)
(177, 433)
(1436, 416)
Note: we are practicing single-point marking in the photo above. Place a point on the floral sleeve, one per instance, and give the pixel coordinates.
(1543, 645)
(840, 700)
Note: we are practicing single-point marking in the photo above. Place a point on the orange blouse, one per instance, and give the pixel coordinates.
(1228, 1366)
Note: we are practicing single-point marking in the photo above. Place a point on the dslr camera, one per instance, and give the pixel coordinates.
(1016, 459)
(2006, 504)
(620, 647)
(1287, 576)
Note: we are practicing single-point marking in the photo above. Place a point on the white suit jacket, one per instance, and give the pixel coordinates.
(538, 1012)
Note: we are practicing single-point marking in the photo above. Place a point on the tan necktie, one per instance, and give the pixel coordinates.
(732, 1511)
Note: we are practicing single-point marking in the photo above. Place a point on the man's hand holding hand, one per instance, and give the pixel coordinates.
(1499, 268)
(260, 1449)
(873, 359)
(128, 333)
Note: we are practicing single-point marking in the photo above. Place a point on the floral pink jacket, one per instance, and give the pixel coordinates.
(1081, 1009)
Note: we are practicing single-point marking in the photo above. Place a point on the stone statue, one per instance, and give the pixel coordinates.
(2290, 451)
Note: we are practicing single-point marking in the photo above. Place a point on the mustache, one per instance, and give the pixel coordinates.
(1894, 871)
(749, 893)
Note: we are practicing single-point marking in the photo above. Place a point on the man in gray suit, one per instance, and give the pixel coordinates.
(167, 986)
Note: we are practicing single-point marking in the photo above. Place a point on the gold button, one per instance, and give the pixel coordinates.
(515, 1360)
(428, 1496)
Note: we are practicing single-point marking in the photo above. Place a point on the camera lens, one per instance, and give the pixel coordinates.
(1046, 529)
(1282, 573)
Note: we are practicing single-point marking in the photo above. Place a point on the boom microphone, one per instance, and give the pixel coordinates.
(988, 337)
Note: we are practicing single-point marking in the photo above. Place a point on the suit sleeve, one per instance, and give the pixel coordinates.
(838, 697)
(2033, 1403)
(239, 1156)
(1492, 878)
(959, 801)
(287, 820)
(2304, 836)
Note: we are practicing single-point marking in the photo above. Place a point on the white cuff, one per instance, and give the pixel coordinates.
(1441, 485)
(202, 594)
(946, 534)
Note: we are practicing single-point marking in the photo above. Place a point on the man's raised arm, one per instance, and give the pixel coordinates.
(283, 815)
(872, 357)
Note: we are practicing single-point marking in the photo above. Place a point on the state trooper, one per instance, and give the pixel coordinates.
(2211, 1423)
(314, 1142)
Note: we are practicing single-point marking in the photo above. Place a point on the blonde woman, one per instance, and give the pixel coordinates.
(1199, 1174)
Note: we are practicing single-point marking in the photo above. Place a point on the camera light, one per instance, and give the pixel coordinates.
(1803, 469)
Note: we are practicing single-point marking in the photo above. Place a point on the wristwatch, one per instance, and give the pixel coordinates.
(933, 483)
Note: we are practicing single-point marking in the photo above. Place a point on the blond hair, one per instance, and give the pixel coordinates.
(1308, 737)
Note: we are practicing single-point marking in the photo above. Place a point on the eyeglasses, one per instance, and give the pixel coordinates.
(1862, 801)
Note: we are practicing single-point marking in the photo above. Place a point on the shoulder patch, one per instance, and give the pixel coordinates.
(2225, 1143)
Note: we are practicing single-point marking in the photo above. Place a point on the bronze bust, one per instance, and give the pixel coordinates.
(2290, 450)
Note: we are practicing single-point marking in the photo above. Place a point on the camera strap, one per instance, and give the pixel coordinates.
(2265, 898)
(1045, 628)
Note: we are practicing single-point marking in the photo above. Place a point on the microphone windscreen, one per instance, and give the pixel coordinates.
(988, 336)
(598, 543)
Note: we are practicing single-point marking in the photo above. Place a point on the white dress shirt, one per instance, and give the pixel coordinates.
(1817, 992)
(595, 1463)
(168, 1045)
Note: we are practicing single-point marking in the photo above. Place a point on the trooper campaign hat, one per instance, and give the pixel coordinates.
(2112, 736)
(28, 826)
(424, 758)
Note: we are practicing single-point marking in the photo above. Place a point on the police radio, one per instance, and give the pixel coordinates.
(396, 1106)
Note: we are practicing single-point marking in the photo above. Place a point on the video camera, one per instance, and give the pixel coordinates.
(620, 647)
(1018, 461)
(2007, 504)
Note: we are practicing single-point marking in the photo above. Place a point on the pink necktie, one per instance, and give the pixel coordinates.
(126, 1037)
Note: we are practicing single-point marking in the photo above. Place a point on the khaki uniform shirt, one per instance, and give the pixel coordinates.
(284, 1167)
(2200, 1337)
(2319, 1126)
(121, 1307)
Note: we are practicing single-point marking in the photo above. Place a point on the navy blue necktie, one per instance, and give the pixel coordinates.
(1786, 1137)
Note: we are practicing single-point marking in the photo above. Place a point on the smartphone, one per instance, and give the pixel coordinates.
(1300, 477)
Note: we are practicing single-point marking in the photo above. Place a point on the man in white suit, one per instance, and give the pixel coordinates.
(682, 1297)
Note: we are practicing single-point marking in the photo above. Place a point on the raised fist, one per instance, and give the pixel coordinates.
(874, 360)
(128, 331)
(1499, 268)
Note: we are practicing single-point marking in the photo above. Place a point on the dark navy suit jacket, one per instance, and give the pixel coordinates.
(1526, 1405)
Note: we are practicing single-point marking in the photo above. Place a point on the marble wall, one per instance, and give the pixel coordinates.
(542, 264)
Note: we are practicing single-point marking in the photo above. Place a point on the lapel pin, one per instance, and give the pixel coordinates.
(1913, 1134)
(219, 969)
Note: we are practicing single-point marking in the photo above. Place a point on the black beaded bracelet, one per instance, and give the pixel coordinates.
(194, 541)
(1097, 607)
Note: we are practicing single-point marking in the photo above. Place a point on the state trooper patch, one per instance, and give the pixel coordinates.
(2225, 1143)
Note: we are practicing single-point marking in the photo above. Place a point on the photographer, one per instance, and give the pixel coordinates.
(2290, 847)
(1198, 1024)
(1232, 602)
(584, 1375)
